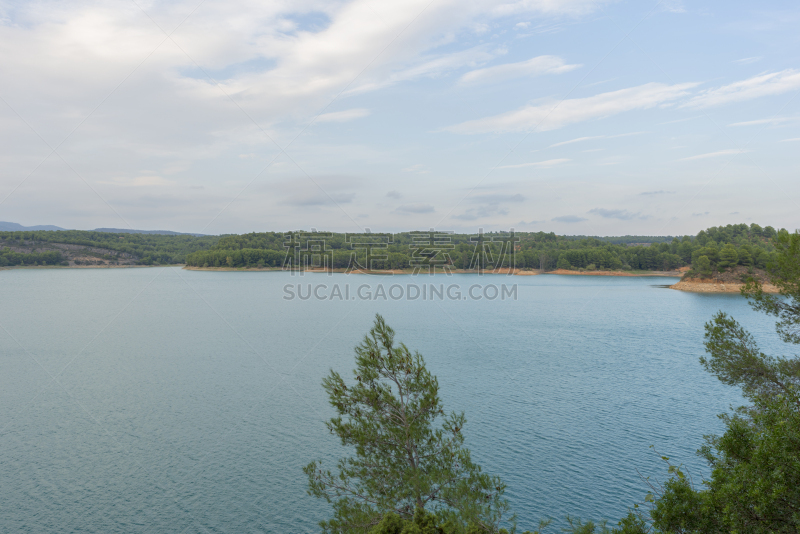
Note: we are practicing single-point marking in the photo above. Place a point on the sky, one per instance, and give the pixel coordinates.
(588, 117)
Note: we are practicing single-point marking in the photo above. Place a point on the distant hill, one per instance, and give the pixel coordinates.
(152, 232)
(15, 227)
(91, 247)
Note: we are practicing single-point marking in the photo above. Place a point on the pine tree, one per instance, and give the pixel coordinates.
(728, 257)
(405, 462)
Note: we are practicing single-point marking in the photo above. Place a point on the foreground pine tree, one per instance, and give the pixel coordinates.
(754, 487)
(410, 458)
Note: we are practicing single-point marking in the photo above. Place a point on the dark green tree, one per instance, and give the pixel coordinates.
(745, 256)
(712, 251)
(703, 266)
(785, 274)
(728, 257)
(409, 455)
(755, 480)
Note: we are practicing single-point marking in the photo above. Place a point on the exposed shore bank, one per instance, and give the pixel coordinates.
(725, 281)
(715, 286)
(615, 273)
(503, 271)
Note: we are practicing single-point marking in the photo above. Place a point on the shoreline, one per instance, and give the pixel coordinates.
(690, 286)
(715, 286)
(504, 271)
(20, 267)
(388, 272)
(672, 274)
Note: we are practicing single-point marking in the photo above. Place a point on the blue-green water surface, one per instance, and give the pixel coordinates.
(168, 401)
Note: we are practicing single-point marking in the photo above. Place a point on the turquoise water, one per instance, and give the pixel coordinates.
(169, 401)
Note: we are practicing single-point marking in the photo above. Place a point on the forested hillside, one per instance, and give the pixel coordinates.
(72, 247)
(721, 246)
(710, 250)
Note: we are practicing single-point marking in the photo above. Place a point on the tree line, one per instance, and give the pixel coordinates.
(711, 249)
(147, 249)
(11, 258)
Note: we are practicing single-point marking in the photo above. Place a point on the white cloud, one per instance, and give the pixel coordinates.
(549, 7)
(558, 114)
(418, 169)
(581, 139)
(343, 116)
(676, 121)
(317, 65)
(773, 120)
(748, 60)
(547, 163)
(792, 139)
(601, 82)
(532, 67)
(728, 152)
(69, 56)
(431, 67)
(576, 140)
(773, 83)
(480, 28)
(673, 6)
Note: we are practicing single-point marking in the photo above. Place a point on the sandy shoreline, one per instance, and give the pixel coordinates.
(615, 273)
(713, 286)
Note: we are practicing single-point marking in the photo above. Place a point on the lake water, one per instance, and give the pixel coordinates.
(168, 401)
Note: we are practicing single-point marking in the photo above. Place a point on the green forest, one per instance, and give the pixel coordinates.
(712, 249)
(9, 258)
(146, 249)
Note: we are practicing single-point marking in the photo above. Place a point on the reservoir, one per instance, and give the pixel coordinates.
(159, 400)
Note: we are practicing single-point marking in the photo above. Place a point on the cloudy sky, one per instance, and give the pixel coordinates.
(575, 116)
